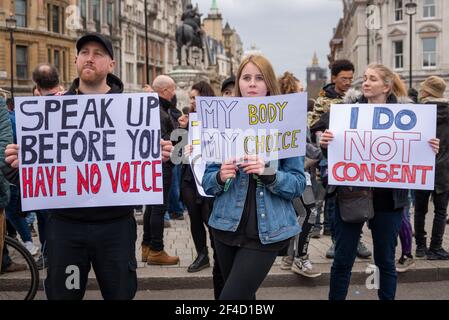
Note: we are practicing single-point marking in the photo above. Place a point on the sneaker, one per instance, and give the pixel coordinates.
(438, 254)
(15, 267)
(303, 266)
(31, 247)
(327, 232)
(362, 251)
(421, 251)
(32, 230)
(330, 253)
(42, 262)
(167, 224)
(404, 264)
(315, 233)
(176, 216)
(286, 263)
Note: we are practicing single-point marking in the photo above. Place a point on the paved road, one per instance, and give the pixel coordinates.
(406, 291)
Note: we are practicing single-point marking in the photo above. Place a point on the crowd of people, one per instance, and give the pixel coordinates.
(256, 211)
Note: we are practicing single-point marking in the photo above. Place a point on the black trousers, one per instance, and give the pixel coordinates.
(153, 217)
(199, 211)
(440, 202)
(72, 248)
(243, 269)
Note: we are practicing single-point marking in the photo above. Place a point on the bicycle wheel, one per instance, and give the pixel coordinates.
(23, 283)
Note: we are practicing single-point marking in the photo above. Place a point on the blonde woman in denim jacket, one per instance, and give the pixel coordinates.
(254, 219)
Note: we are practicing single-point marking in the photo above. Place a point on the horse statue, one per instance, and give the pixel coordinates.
(189, 33)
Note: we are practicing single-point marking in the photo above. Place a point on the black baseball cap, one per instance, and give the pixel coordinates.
(95, 37)
(228, 82)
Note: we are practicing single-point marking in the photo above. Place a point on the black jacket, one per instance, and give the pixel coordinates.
(442, 160)
(95, 214)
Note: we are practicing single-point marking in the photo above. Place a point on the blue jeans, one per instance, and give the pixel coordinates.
(385, 228)
(18, 222)
(329, 213)
(175, 204)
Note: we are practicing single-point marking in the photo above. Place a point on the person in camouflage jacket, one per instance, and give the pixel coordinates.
(342, 72)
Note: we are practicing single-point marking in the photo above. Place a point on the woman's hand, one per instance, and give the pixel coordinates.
(188, 149)
(167, 148)
(435, 145)
(228, 170)
(12, 155)
(326, 138)
(253, 165)
(183, 121)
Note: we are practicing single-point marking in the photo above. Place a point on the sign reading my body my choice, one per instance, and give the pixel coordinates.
(273, 127)
(89, 150)
(382, 146)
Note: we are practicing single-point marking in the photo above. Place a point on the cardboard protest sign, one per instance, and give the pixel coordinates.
(195, 160)
(273, 127)
(89, 151)
(382, 146)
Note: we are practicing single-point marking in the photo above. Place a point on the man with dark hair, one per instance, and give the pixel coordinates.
(46, 78)
(342, 74)
(102, 238)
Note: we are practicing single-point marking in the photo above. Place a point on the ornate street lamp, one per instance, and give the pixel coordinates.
(11, 24)
(410, 10)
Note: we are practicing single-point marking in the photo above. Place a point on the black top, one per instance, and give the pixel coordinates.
(247, 233)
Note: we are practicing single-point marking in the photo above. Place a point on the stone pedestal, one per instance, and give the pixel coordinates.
(185, 77)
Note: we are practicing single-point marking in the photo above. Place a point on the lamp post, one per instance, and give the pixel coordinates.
(11, 26)
(410, 10)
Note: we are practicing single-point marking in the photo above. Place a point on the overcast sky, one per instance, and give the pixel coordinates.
(286, 31)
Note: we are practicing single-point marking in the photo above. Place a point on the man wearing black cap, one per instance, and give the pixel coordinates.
(101, 237)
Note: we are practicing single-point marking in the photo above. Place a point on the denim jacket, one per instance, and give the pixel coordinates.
(276, 216)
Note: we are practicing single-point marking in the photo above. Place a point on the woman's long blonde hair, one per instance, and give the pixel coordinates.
(267, 71)
(391, 79)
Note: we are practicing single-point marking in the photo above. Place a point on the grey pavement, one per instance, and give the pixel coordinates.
(178, 241)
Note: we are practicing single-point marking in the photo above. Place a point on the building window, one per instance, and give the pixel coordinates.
(22, 62)
(21, 13)
(398, 47)
(96, 12)
(379, 53)
(64, 66)
(129, 42)
(56, 60)
(48, 17)
(129, 73)
(429, 52)
(140, 74)
(55, 18)
(398, 10)
(109, 10)
(83, 10)
(429, 9)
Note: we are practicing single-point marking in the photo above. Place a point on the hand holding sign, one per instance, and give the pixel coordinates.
(382, 145)
(253, 165)
(228, 170)
(12, 155)
(326, 138)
